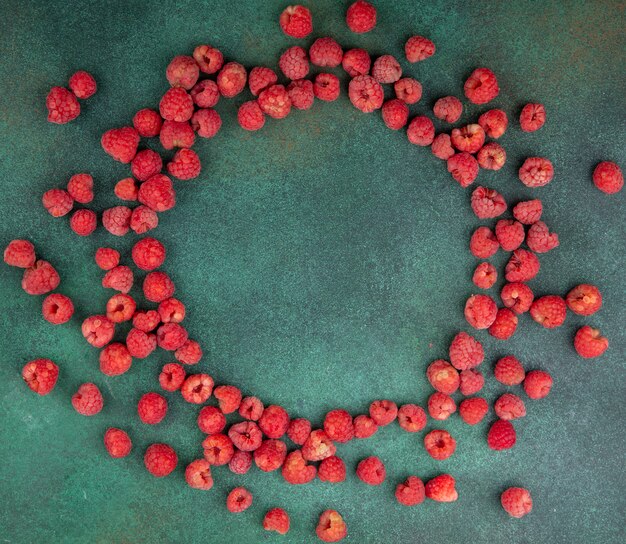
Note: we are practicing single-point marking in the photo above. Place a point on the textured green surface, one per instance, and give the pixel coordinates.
(324, 263)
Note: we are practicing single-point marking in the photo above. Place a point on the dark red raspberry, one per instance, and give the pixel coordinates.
(439, 444)
(411, 492)
(146, 321)
(584, 299)
(121, 143)
(326, 87)
(365, 93)
(211, 420)
(174, 134)
(296, 471)
(205, 94)
(356, 62)
(189, 353)
(277, 520)
(88, 401)
(443, 376)
(516, 501)
(361, 17)
(274, 421)
(107, 258)
(117, 442)
(491, 156)
(171, 336)
(119, 278)
(20, 253)
(82, 84)
(197, 388)
(442, 147)
(231, 79)
(504, 325)
(485, 275)
(418, 48)
(116, 220)
(299, 430)
(331, 527)
(421, 131)
(481, 86)
(549, 311)
(240, 462)
(332, 470)
(539, 238)
(40, 375)
(464, 168)
(147, 123)
(172, 377)
(218, 449)
(448, 108)
(261, 78)
(275, 102)
(140, 344)
(143, 219)
(522, 266)
(250, 116)
(301, 94)
(537, 384)
(296, 21)
(318, 446)
(152, 408)
(364, 426)
(509, 407)
(386, 69)
(270, 455)
(325, 52)
(536, 172)
(608, 177)
(176, 105)
(62, 106)
(589, 342)
(207, 123)
(41, 278)
(120, 308)
(83, 222)
(57, 308)
(338, 426)
(510, 234)
(465, 352)
(411, 418)
(469, 138)
(371, 471)
(172, 310)
(157, 193)
(198, 475)
(441, 406)
(229, 398)
(483, 243)
(383, 412)
(251, 408)
(148, 253)
(57, 202)
(246, 435)
(480, 311)
(160, 460)
(487, 203)
(209, 59)
(182, 71)
(509, 371)
(126, 189)
(395, 114)
(494, 123)
(532, 117)
(517, 296)
(80, 188)
(294, 63)
(473, 410)
(472, 381)
(501, 435)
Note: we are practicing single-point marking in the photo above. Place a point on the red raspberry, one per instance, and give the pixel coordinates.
(504, 325)
(296, 471)
(57, 308)
(209, 59)
(189, 353)
(480, 311)
(148, 254)
(448, 108)
(483, 243)
(301, 94)
(116, 220)
(589, 343)
(532, 117)
(62, 106)
(383, 412)
(421, 131)
(371, 471)
(146, 321)
(364, 426)
(147, 123)
(182, 71)
(441, 489)
(143, 219)
(229, 398)
(331, 527)
(356, 62)
(326, 87)
(232, 79)
(274, 101)
(510, 234)
(443, 376)
(246, 435)
(40, 375)
(140, 344)
(176, 105)
(250, 116)
(296, 21)
(465, 352)
(197, 388)
(549, 311)
(442, 147)
(251, 408)
(537, 384)
(516, 501)
(152, 408)
(107, 258)
(146, 164)
(172, 377)
(332, 470)
(365, 93)
(338, 426)
(121, 143)
(115, 359)
(473, 410)
(120, 308)
(88, 401)
(274, 421)
(126, 189)
(198, 475)
(294, 63)
(509, 406)
(98, 330)
(386, 69)
(80, 188)
(211, 420)
(472, 381)
(270, 455)
(172, 310)
(395, 114)
(408, 90)
(83, 222)
(158, 193)
(464, 168)
(441, 406)
(439, 444)
(361, 17)
(119, 278)
(299, 430)
(517, 296)
(528, 212)
(509, 371)
(20, 253)
(411, 492)
(325, 52)
(608, 177)
(174, 134)
(412, 418)
(83, 84)
(318, 446)
(160, 460)
(584, 299)
(277, 520)
(206, 123)
(539, 238)
(117, 442)
(522, 266)
(485, 275)
(491, 156)
(536, 172)
(171, 336)
(57, 202)
(240, 462)
(218, 449)
(205, 94)
(481, 86)
(260, 78)
(501, 435)
(469, 138)
(418, 48)
(494, 123)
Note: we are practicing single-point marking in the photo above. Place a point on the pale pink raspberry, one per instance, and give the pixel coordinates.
(528, 212)
(205, 94)
(517, 296)
(117, 220)
(326, 52)
(532, 117)
(464, 168)
(465, 352)
(408, 90)
(491, 156)
(485, 275)
(418, 48)
(487, 203)
(209, 59)
(326, 87)
(481, 86)
(182, 71)
(469, 138)
(143, 219)
(206, 122)
(261, 78)
(386, 69)
(483, 243)
(536, 172)
(231, 79)
(442, 147)
(365, 93)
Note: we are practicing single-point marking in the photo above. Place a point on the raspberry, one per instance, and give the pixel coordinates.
(386, 69)
(517, 296)
(157, 193)
(501, 435)
(121, 143)
(172, 310)
(152, 408)
(318, 446)
(296, 471)
(326, 87)
(269, 456)
(174, 134)
(57, 202)
(260, 78)
(516, 501)
(147, 123)
(539, 238)
(510, 234)
(232, 79)
(418, 48)
(146, 164)
(481, 86)
(250, 116)
(332, 470)
(277, 520)
(509, 406)
(115, 359)
(274, 421)
(198, 475)
(294, 63)
(246, 435)
(126, 189)
(116, 220)
(361, 17)
(80, 188)
(209, 59)
(338, 426)
(189, 353)
(441, 406)
(356, 62)
(408, 90)
(464, 168)
(494, 123)
(472, 381)
(325, 52)
(57, 308)
(296, 21)
(182, 71)
(536, 172)
(584, 299)
(301, 94)
(251, 408)
(537, 384)
(172, 377)
(522, 266)
(40, 375)
(62, 106)
(331, 527)
(143, 219)
(473, 410)
(528, 212)
(20, 253)
(411, 492)
(146, 321)
(140, 344)
(211, 420)
(197, 388)
(206, 123)
(371, 471)
(148, 254)
(441, 489)
(589, 343)
(448, 108)
(365, 93)
(383, 412)
(469, 138)
(439, 444)
(160, 460)
(504, 325)
(98, 330)
(205, 94)
(171, 336)
(299, 430)
(274, 101)
(83, 84)
(421, 131)
(443, 376)
(465, 352)
(176, 105)
(83, 222)
(395, 114)
(240, 462)
(549, 311)
(107, 258)
(483, 243)
(117, 442)
(364, 426)
(480, 311)
(509, 371)
(532, 117)
(119, 278)
(485, 275)
(608, 177)
(87, 401)
(442, 147)
(229, 398)
(491, 156)
(218, 449)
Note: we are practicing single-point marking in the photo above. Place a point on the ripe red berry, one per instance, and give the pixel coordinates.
(172, 377)
(325, 52)
(209, 59)
(441, 406)
(231, 79)
(410, 492)
(117, 442)
(146, 164)
(442, 147)
(421, 131)
(383, 412)
(115, 359)
(160, 460)
(386, 69)
(472, 381)
(589, 342)
(485, 275)
(250, 116)
(83, 84)
(296, 21)
(465, 352)
(448, 109)
(332, 470)
(62, 106)
(87, 401)
(301, 94)
(251, 408)
(318, 446)
(211, 420)
(120, 307)
(295, 469)
(356, 62)
(57, 308)
(326, 87)
(198, 475)
(40, 375)
(294, 63)
(274, 421)
(517, 296)
(189, 353)
(116, 220)
(418, 48)
(331, 527)
(197, 388)
(152, 408)
(361, 17)
(261, 78)
(516, 501)
(246, 436)
(157, 286)
(218, 449)
(509, 371)
(443, 376)
(480, 311)
(240, 462)
(439, 444)
(491, 156)
(408, 90)
(371, 471)
(522, 266)
(98, 330)
(80, 188)
(175, 134)
(549, 311)
(176, 105)
(504, 325)
(275, 102)
(537, 384)
(57, 202)
(365, 93)
(228, 397)
(501, 435)
(182, 71)
(270, 455)
(608, 177)
(364, 426)
(119, 278)
(205, 94)
(140, 344)
(509, 407)
(539, 238)
(536, 172)
(528, 211)
(147, 123)
(441, 489)
(207, 123)
(338, 426)
(277, 520)
(299, 430)
(20, 253)
(494, 123)
(395, 114)
(121, 143)
(473, 410)
(584, 299)
(463, 167)
(481, 86)
(532, 117)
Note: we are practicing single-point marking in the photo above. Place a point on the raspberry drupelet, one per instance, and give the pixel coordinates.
(40, 375)
(57, 308)
(296, 21)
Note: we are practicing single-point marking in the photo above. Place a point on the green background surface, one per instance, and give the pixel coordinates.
(324, 264)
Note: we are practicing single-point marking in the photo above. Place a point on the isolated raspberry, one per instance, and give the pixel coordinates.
(442, 147)
(301, 94)
(441, 406)
(411, 418)
(88, 401)
(197, 388)
(325, 52)
(160, 460)
(143, 219)
(549, 311)
(182, 71)
(386, 69)
(20, 253)
(120, 308)
(532, 117)
(483, 243)
(189, 353)
(116, 220)
(472, 381)
(207, 123)
(465, 352)
(218, 449)
(250, 116)
(294, 63)
(251, 408)
(536, 172)
(40, 375)
(439, 444)
(140, 344)
(539, 238)
(240, 462)
(277, 520)
(270, 455)
(62, 106)
(205, 93)
(209, 59)
(410, 492)
(516, 501)
(83, 222)
(152, 408)
(229, 398)
(485, 275)
(80, 188)
(119, 278)
(418, 48)
(121, 143)
(157, 193)
(274, 421)
(57, 202)
(509, 371)
(211, 420)
(473, 410)
(171, 336)
(147, 123)
(172, 377)
(332, 470)
(146, 164)
(469, 138)
(198, 475)
(584, 299)
(260, 78)
(589, 343)
(522, 266)
(448, 108)
(421, 131)
(510, 234)
(441, 489)
(464, 168)
(117, 442)
(383, 412)
(481, 86)
(361, 17)
(126, 189)
(174, 134)
(331, 527)
(480, 311)
(608, 177)
(371, 471)
(365, 93)
(326, 87)
(296, 471)
(509, 407)
(296, 21)
(494, 123)
(517, 296)
(82, 84)
(491, 156)
(338, 426)
(364, 426)
(98, 330)
(246, 436)
(275, 102)
(408, 90)
(501, 435)
(176, 105)
(537, 384)
(395, 113)
(443, 376)
(318, 446)
(299, 430)
(528, 211)
(356, 62)
(57, 308)
(231, 79)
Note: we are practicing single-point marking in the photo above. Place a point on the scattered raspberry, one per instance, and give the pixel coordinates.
(536, 172)
(261, 78)
(20, 253)
(332, 470)
(240, 462)
(148, 254)
(395, 113)
(209, 59)
(57, 202)
(441, 406)
(383, 412)
(174, 134)
(480, 311)
(517, 296)
(549, 311)
(510, 234)
(62, 106)
(107, 258)
(147, 123)
(408, 90)
(157, 286)
(88, 401)
(491, 156)
(146, 321)
(277, 520)
(197, 388)
(371, 471)
(589, 343)
(411, 492)
(481, 86)
(98, 330)
(218, 449)
(418, 48)
(386, 69)
(326, 87)
(464, 168)
(485, 275)
(331, 527)
(270, 455)
(338, 426)
(473, 410)
(509, 407)
(83, 84)
(443, 376)
(301, 94)
(172, 310)
(116, 220)
(143, 219)
(522, 266)
(146, 164)
(483, 243)
(80, 188)
(274, 101)
(296, 21)
(472, 381)
(119, 278)
(325, 52)
(211, 420)
(176, 105)
(251, 408)
(469, 138)
(140, 344)
(40, 375)
(448, 108)
(294, 63)
(172, 377)
(232, 79)
(318, 446)
(356, 62)
(296, 471)
(442, 147)
(537, 384)
(189, 353)
(365, 93)
(608, 177)
(274, 421)
(121, 143)
(207, 123)
(421, 131)
(509, 371)
(532, 117)
(152, 408)
(160, 460)
(441, 489)
(115, 359)
(117, 442)
(494, 123)
(299, 430)
(516, 501)
(57, 308)
(171, 336)
(361, 17)
(501, 435)
(584, 299)
(246, 435)
(205, 93)
(229, 398)
(528, 212)
(539, 238)
(126, 189)
(439, 444)
(364, 426)
(83, 222)
(250, 116)
(182, 71)
(465, 352)
(198, 475)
